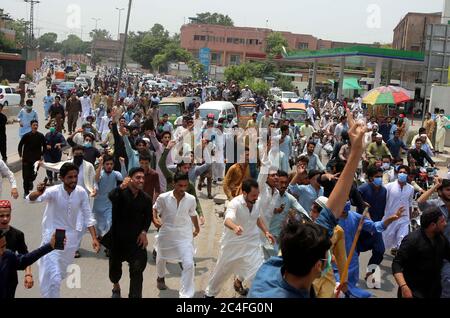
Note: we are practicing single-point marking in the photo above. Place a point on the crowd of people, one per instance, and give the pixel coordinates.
(303, 201)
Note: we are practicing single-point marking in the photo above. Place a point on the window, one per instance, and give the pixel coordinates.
(235, 41)
(242, 41)
(196, 37)
(8, 90)
(215, 58)
(202, 38)
(234, 59)
(229, 40)
(302, 45)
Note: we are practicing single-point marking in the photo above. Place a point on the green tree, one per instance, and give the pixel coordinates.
(20, 27)
(47, 41)
(275, 42)
(214, 18)
(172, 53)
(74, 45)
(100, 34)
(197, 69)
(248, 70)
(284, 82)
(257, 85)
(6, 44)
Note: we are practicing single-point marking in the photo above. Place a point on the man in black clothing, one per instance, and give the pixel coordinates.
(419, 155)
(10, 263)
(417, 265)
(90, 153)
(3, 121)
(131, 219)
(31, 149)
(15, 240)
(119, 145)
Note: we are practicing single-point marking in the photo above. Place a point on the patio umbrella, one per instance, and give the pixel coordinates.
(387, 95)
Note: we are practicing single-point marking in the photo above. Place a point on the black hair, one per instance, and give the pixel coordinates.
(303, 158)
(248, 184)
(66, 168)
(313, 173)
(145, 157)
(166, 133)
(141, 141)
(282, 173)
(302, 245)
(180, 177)
(165, 115)
(445, 184)
(422, 130)
(34, 121)
(107, 158)
(284, 128)
(311, 143)
(29, 102)
(372, 171)
(430, 216)
(77, 147)
(345, 135)
(404, 167)
(133, 171)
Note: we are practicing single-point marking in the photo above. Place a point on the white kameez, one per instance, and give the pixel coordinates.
(71, 213)
(239, 254)
(396, 198)
(175, 240)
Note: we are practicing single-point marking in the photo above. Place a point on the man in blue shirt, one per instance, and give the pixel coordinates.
(395, 144)
(307, 194)
(48, 101)
(373, 193)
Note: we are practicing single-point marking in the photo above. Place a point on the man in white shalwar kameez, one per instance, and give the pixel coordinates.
(441, 123)
(399, 194)
(174, 212)
(67, 209)
(241, 252)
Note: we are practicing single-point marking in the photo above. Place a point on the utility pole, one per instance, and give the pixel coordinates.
(81, 32)
(118, 28)
(124, 45)
(31, 30)
(96, 22)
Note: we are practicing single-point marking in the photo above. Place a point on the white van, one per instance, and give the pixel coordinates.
(218, 108)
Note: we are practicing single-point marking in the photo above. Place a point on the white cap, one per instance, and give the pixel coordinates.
(322, 202)
(379, 136)
(22, 76)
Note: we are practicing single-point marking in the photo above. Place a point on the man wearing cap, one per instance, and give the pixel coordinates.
(377, 150)
(422, 131)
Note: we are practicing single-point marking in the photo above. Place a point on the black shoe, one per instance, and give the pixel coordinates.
(116, 294)
(77, 254)
(240, 289)
(181, 265)
(154, 255)
(107, 253)
(206, 296)
(161, 284)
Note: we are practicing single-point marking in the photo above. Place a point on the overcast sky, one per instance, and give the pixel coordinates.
(364, 21)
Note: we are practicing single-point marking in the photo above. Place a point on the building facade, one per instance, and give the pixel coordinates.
(109, 50)
(236, 45)
(410, 32)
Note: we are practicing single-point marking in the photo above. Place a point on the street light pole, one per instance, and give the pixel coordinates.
(122, 61)
(96, 22)
(118, 28)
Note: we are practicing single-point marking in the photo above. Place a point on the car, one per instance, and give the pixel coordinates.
(82, 81)
(289, 97)
(8, 96)
(71, 76)
(87, 78)
(218, 108)
(55, 84)
(65, 88)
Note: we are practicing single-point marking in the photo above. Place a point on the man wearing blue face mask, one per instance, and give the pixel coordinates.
(55, 142)
(91, 153)
(399, 194)
(375, 195)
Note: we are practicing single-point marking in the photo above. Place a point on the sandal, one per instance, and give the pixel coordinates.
(240, 289)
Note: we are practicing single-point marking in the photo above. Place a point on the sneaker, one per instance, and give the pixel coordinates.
(161, 284)
(116, 294)
(239, 288)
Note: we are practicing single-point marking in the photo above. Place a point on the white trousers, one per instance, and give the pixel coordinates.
(218, 170)
(187, 289)
(440, 140)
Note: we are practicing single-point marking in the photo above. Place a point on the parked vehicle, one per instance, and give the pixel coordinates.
(245, 112)
(173, 106)
(66, 88)
(81, 81)
(218, 108)
(8, 96)
(296, 111)
(55, 84)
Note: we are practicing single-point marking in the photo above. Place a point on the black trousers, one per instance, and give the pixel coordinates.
(3, 147)
(28, 177)
(137, 262)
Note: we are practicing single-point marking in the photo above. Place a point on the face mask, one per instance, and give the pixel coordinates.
(29, 108)
(386, 166)
(316, 140)
(402, 177)
(327, 266)
(378, 182)
(87, 144)
(87, 130)
(78, 160)
(392, 121)
(52, 129)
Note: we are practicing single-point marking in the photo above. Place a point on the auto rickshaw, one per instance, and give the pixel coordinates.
(296, 111)
(245, 112)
